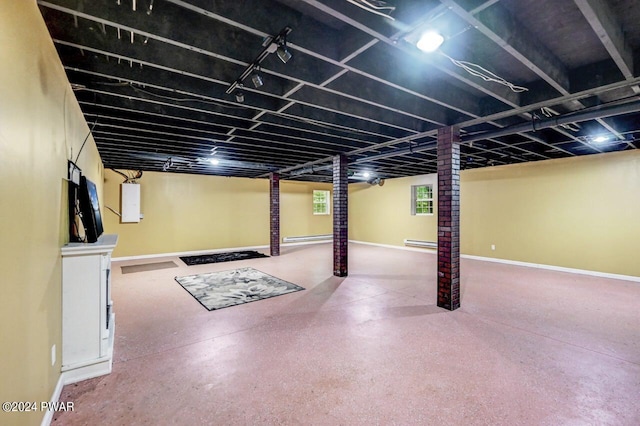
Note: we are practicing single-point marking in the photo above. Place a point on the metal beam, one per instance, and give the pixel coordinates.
(501, 27)
(609, 30)
(501, 93)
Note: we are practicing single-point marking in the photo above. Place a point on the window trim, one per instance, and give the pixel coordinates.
(327, 202)
(414, 199)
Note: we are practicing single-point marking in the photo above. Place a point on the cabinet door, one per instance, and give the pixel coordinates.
(81, 321)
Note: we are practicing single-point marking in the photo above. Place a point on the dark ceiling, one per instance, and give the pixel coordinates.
(157, 82)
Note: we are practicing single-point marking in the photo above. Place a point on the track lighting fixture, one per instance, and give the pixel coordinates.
(240, 94)
(273, 44)
(167, 164)
(283, 53)
(256, 79)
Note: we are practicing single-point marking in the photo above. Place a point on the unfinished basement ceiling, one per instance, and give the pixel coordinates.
(158, 81)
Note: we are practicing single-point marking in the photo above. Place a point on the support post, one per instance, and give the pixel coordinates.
(274, 213)
(449, 218)
(340, 216)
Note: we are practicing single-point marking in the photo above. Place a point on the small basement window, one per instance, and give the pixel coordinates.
(321, 202)
(421, 200)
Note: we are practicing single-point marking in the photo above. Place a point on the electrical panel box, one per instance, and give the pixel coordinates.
(130, 195)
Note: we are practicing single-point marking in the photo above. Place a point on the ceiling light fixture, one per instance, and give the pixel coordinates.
(256, 79)
(240, 94)
(430, 41)
(283, 53)
(601, 139)
(272, 44)
(214, 161)
(366, 174)
(167, 164)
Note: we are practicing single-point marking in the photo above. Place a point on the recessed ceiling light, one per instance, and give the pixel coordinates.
(430, 41)
(366, 174)
(214, 161)
(601, 139)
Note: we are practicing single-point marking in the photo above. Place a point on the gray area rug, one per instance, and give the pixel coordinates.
(217, 290)
(147, 267)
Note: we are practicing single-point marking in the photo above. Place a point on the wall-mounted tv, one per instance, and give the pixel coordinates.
(90, 209)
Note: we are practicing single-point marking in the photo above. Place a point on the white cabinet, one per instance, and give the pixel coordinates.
(88, 321)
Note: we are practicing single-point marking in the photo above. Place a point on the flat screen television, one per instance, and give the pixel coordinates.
(90, 209)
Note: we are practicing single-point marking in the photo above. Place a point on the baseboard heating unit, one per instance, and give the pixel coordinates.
(304, 238)
(420, 243)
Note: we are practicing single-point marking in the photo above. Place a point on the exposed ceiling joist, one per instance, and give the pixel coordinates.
(156, 82)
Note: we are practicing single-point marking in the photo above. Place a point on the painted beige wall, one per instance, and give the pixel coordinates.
(184, 212)
(296, 210)
(575, 212)
(41, 124)
(382, 214)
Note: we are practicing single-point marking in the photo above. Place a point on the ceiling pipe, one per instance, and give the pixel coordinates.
(532, 126)
(576, 117)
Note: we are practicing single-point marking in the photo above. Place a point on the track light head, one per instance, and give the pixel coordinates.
(239, 94)
(283, 53)
(256, 79)
(167, 164)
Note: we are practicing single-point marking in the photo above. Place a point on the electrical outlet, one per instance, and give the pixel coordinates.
(493, 246)
(53, 355)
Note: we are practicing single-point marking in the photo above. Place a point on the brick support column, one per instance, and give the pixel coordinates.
(274, 213)
(449, 218)
(340, 216)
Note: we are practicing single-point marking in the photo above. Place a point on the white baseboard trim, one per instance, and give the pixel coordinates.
(514, 262)
(218, 250)
(304, 238)
(421, 250)
(306, 243)
(55, 397)
(187, 253)
(554, 268)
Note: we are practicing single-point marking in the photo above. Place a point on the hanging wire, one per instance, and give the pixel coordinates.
(478, 71)
(86, 138)
(548, 112)
(138, 89)
(375, 6)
